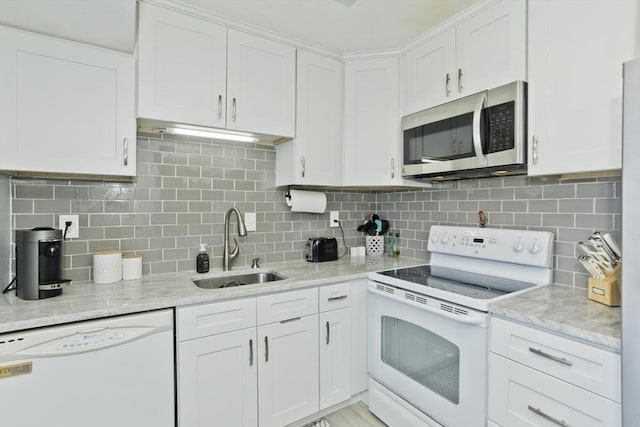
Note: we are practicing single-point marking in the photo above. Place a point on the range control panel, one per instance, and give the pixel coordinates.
(505, 245)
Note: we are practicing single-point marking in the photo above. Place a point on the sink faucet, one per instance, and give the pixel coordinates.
(229, 256)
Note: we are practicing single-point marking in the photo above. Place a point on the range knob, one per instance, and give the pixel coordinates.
(444, 239)
(534, 247)
(434, 237)
(518, 246)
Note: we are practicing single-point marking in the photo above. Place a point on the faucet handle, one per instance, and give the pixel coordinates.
(255, 263)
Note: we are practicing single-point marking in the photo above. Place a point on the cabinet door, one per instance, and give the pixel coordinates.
(217, 380)
(491, 47)
(260, 85)
(429, 70)
(335, 357)
(181, 68)
(288, 371)
(575, 83)
(318, 141)
(65, 107)
(372, 122)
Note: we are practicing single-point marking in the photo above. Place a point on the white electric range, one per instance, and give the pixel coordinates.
(428, 325)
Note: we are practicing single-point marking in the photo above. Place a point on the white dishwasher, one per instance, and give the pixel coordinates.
(116, 371)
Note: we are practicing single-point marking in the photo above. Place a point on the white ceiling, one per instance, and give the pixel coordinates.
(340, 25)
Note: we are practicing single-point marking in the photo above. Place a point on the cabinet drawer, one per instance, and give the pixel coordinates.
(287, 305)
(335, 296)
(521, 396)
(588, 367)
(210, 319)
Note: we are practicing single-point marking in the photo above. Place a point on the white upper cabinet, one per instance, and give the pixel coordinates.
(429, 68)
(491, 47)
(575, 83)
(182, 70)
(194, 71)
(314, 157)
(261, 87)
(65, 107)
(482, 50)
(372, 122)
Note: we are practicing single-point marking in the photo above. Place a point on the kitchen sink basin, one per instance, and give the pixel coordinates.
(240, 279)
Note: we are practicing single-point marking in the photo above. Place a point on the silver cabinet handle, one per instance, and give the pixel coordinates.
(534, 150)
(266, 349)
(302, 167)
(460, 87)
(219, 106)
(293, 319)
(234, 107)
(548, 417)
(447, 90)
(393, 168)
(125, 145)
(551, 356)
(250, 352)
(337, 298)
(328, 333)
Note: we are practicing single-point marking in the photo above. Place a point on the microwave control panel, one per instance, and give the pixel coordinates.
(501, 124)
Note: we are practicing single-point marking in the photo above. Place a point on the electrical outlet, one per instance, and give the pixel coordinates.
(334, 216)
(74, 230)
(250, 221)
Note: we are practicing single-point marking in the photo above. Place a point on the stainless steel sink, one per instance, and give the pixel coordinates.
(240, 279)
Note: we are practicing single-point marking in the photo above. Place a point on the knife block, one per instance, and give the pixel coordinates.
(605, 291)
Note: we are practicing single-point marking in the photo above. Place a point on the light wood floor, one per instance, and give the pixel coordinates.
(356, 415)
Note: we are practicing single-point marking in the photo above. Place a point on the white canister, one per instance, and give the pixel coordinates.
(131, 266)
(107, 266)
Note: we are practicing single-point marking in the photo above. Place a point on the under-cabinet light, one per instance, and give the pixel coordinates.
(240, 137)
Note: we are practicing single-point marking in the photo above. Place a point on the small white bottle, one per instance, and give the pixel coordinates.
(202, 260)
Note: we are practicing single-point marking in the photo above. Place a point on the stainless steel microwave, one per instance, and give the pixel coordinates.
(476, 136)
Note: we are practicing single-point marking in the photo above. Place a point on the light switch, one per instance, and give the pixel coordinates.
(250, 221)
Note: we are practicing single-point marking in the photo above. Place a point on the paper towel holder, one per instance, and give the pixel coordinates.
(287, 195)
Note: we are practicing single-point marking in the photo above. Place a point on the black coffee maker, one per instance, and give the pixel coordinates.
(39, 263)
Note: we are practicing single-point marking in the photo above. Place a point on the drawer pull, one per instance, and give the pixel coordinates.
(551, 356)
(548, 417)
(337, 298)
(290, 320)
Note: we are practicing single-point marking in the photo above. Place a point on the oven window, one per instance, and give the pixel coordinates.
(423, 356)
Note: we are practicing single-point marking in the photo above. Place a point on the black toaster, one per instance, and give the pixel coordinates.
(321, 249)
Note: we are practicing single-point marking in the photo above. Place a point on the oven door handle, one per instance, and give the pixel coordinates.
(468, 319)
(477, 137)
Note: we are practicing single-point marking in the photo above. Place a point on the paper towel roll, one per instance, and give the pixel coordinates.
(306, 201)
(131, 266)
(107, 267)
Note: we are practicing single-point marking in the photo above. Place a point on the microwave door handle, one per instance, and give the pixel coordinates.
(477, 138)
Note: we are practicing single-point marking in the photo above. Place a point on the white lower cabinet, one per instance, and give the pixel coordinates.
(540, 379)
(217, 380)
(288, 370)
(335, 344)
(269, 360)
(217, 364)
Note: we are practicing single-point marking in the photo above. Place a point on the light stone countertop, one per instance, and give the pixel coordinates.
(86, 300)
(566, 311)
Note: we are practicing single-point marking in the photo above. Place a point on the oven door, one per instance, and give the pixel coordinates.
(428, 355)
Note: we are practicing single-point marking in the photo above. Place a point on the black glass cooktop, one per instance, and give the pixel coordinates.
(459, 282)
